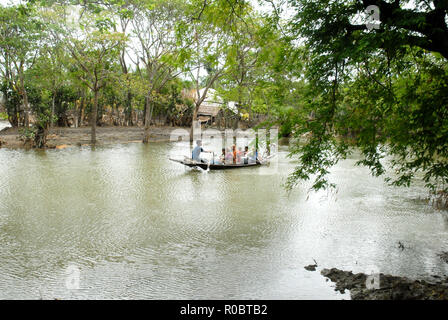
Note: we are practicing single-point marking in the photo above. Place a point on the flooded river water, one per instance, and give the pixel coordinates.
(138, 226)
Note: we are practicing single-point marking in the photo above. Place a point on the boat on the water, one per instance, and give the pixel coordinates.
(214, 166)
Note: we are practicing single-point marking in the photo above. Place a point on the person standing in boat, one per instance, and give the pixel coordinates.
(234, 153)
(196, 153)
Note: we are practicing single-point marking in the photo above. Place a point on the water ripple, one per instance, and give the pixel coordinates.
(139, 226)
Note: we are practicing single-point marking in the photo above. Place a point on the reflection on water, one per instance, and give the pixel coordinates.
(138, 226)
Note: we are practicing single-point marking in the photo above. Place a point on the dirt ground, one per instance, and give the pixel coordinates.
(64, 137)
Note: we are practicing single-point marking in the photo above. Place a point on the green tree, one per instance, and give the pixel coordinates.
(94, 49)
(49, 72)
(385, 89)
(209, 39)
(154, 26)
(21, 35)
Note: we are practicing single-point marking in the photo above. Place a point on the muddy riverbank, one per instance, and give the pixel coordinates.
(66, 137)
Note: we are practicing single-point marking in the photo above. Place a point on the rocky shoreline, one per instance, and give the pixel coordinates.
(62, 137)
(390, 287)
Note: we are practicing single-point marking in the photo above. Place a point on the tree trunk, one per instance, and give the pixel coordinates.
(268, 141)
(234, 138)
(79, 111)
(52, 109)
(25, 100)
(13, 119)
(193, 120)
(256, 142)
(11, 109)
(82, 109)
(93, 117)
(128, 116)
(26, 108)
(235, 122)
(147, 119)
(40, 139)
(145, 107)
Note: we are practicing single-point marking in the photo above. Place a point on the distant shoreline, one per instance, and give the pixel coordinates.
(62, 137)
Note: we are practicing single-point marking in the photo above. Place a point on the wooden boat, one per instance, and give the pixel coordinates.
(190, 163)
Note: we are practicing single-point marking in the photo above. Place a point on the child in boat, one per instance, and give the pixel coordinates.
(222, 158)
(229, 156)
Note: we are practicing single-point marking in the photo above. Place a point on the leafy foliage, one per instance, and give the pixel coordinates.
(379, 91)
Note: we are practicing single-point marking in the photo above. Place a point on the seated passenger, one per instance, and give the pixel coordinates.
(196, 153)
(222, 157)
(252, 156)
(246, 155)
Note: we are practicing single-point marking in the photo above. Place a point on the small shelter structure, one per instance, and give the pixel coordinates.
(211, 106)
